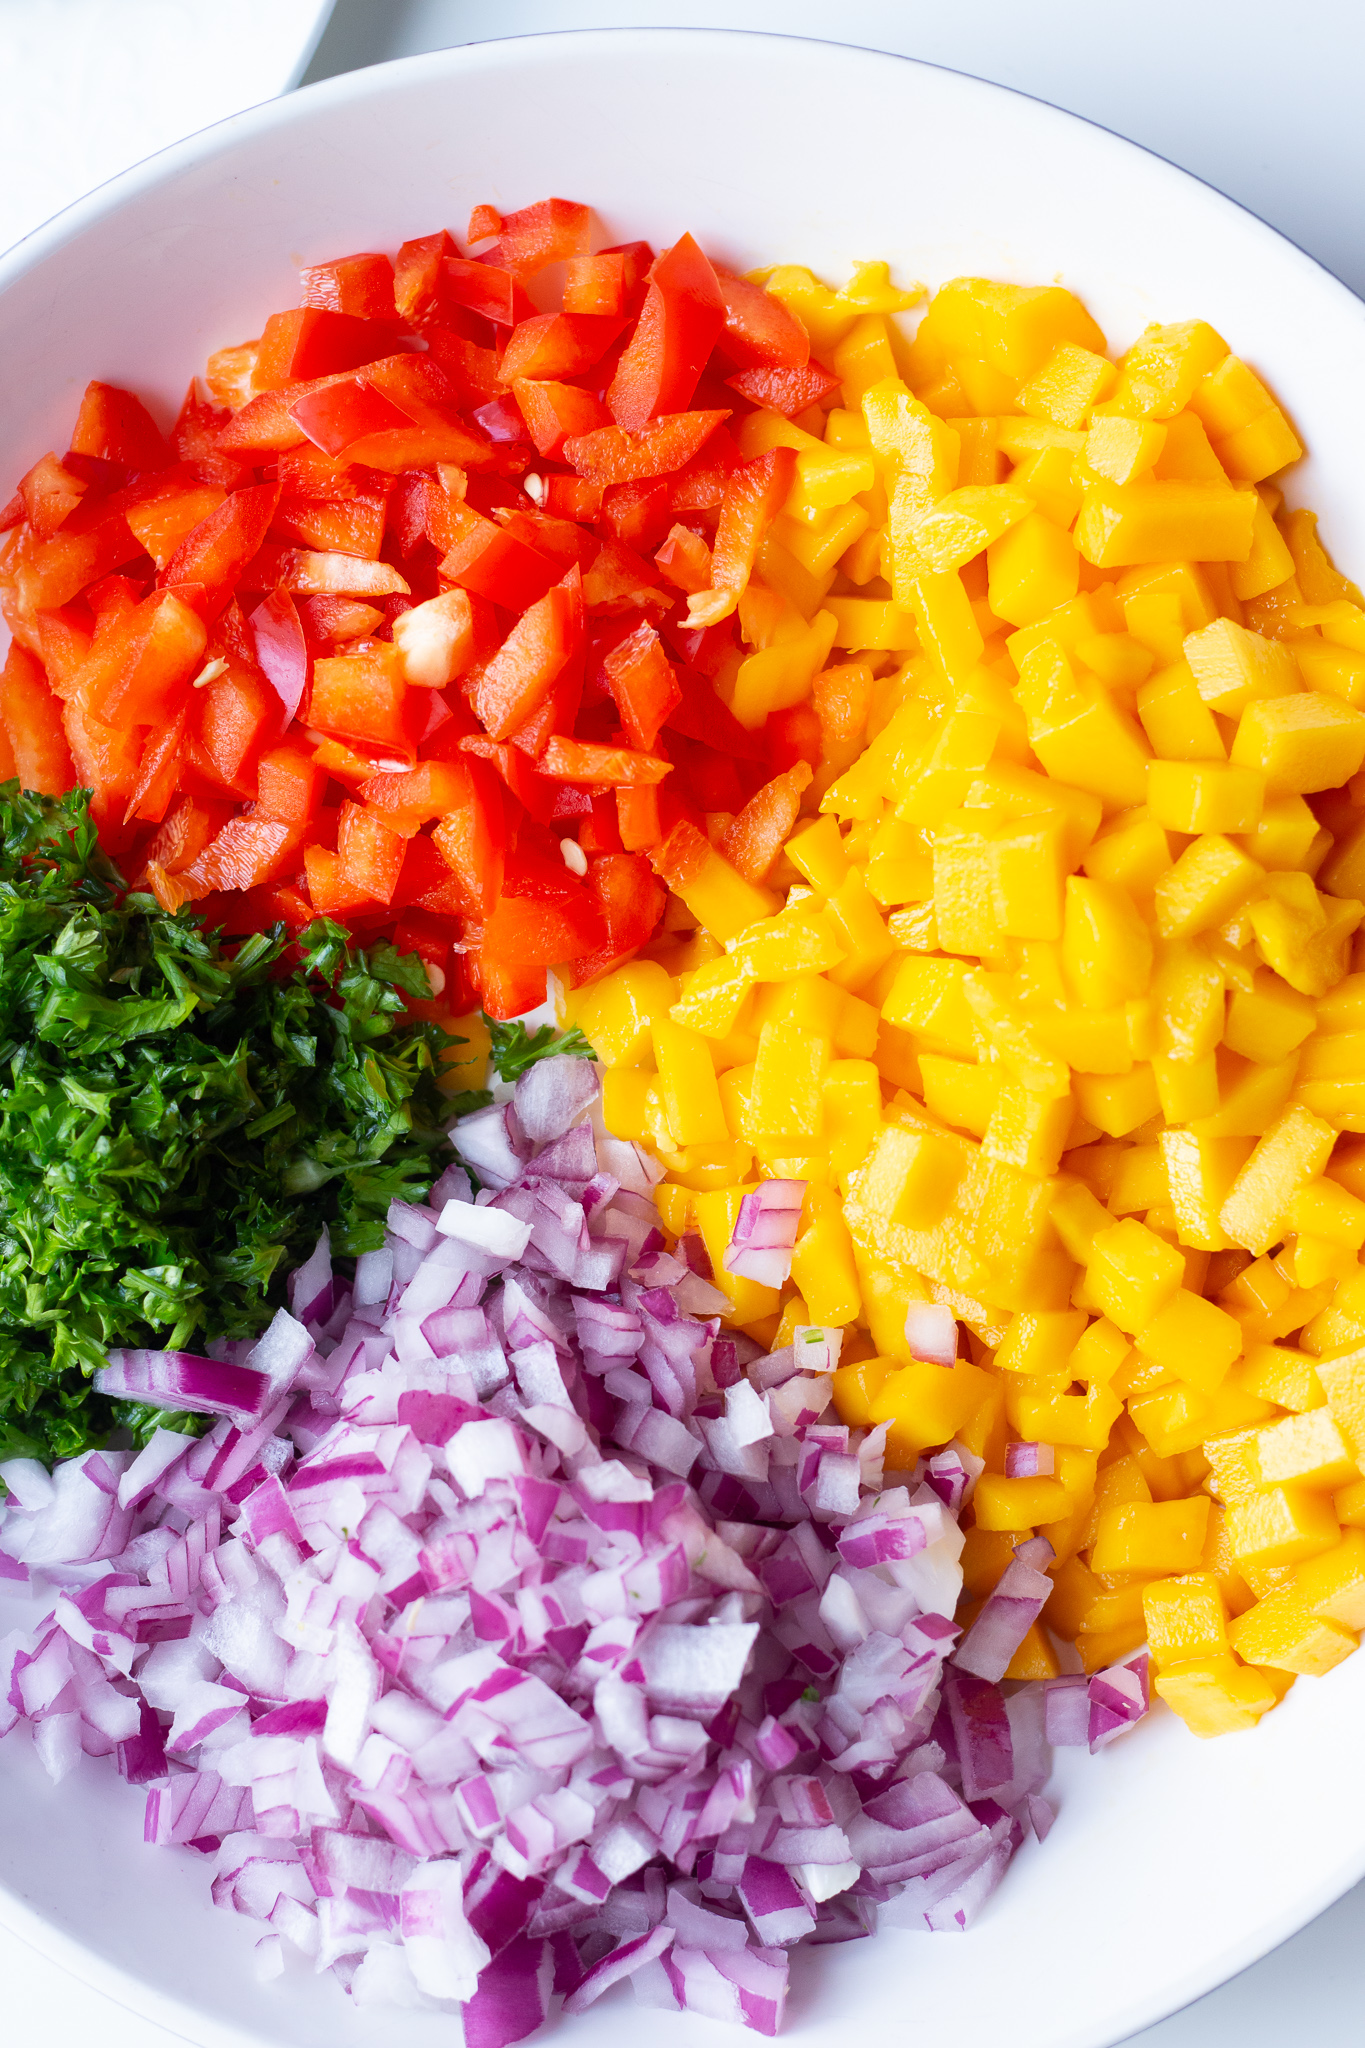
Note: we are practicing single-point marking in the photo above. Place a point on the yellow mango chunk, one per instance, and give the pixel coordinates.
(1233, 668)
(1282, 1631)
(1300, 743)
(1215, 1695)
(1132, 1273)
(1308, 1450)
(1291, 1154)
(1127, 524)
(1192, 1338)
(1186, 1618)
(1151, 1536)
(1281, 1525)
(1205, 796)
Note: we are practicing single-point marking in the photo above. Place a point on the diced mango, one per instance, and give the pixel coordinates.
(1282, 1630)
(1186, 1619)
(1215, 1695)
(1281, 1525)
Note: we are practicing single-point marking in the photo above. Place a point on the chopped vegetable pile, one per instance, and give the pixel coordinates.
(177, 1122)
(517, 1631)
(1058, 1031)
(393, 626)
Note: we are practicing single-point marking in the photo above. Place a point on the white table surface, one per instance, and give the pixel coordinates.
(1260, 100)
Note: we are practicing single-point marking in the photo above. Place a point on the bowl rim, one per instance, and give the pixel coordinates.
(199, 2026)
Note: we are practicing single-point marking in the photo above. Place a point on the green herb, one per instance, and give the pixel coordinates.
(514, 1048)
(177, 1122)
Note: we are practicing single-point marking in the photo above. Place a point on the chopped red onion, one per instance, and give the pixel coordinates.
(181, 1379)
(515, 1631)
(931, 1332)
(1029, 1461)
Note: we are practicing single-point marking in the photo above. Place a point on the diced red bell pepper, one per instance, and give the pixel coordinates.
(637, 816)
(483, 288)
(598, 832)
(711, 780)
(417, 277)
(353, 526)
(472, 370)
(417, 931)
(788, 391)
(604, 767)
(117, 427)
(370, 851)
(246, 853)
(49, 573)
(255, 910)
(312, 572)
(510, 986)
(685, 560)
(557, 345)
(137, 674)
(485, 559)
(572, 497)
(682, 316)
(758, 328)
(49, 495)
(361, 285)
(561, 541)
(753, 497)
(32, 720)
(63, 646)
(427, 883)
(472, 838)
(330, 888)
(644, 685)
(161, 523)
(619, 580)
(544, 916)
(343, 412)
(310, 342)
(522, 673)
(281, 649)
(215, 552)
(106, 761)
(558, 712)
(289, 785)
(194, 437)
(756, 837)
(531, 790)
(239, 716)
(364, 697)
(619, 455)
(631, 901)
(551, 231)
(484, 223)
(413, 797)
(794, 735)
(338, 618)
(595, 284)
(553, 411)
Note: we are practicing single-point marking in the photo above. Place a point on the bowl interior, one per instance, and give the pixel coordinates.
(1173, 1863)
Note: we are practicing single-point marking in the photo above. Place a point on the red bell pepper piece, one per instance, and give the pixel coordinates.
(551, 231)
(535, 795)
(370, 851)
(31, 719)
(289, 785)
(473, 371)
(137, 673)
(412, 797)
(49, 573)
(682, 316)
(752, 842)
(427, 882)
(117, 427)
(48, 495)
(471, 837)
(619, 579)
(700, 486)
(522, 673)
(484, 223)
(330, 888)
(239, 716)
(572, 497)
(631, 902)
(417, 277)
(338, 618)
(604, 767)
(561, 541)
(483, 288)
(788, 391)
(557, 345)
(637, 817)
(352, 526)
(599, 831)
(62, 646)
(758, 328)
(641, 678)
(309, 342)
(618, 455)
(508, 987)
(281, 649)
(793, 736)
(595, 284)
(215, 552)
(245, 853)
(485, 559)
(754, 496)
(362, 285)
(345, 411)
(638, 515)
(685, 560)
(314, 573)
(365, 697)
(162, 522)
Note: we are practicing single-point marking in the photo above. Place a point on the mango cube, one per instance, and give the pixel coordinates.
(1193, 1338)
(1205, 796)
(1132, 1273)
(1233, 668)
(1308, 1449)
(1282, 1631)
(1215, 1695)
(1186, 1618)
(1281, 1525)
(1151, 1536)
(1300, 743)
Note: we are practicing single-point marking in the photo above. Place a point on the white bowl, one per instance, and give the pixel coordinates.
(1173, 1863)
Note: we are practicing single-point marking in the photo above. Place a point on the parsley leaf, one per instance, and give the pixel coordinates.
(514, 1048)
(179, 1121)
